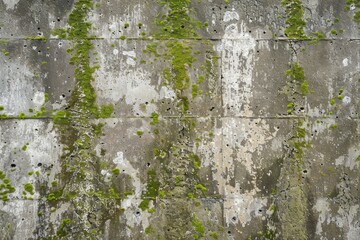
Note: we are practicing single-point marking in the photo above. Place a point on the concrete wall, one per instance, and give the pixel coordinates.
(191, 119)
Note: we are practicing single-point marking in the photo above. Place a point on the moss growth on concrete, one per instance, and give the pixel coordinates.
(304, 88)
(356, 5)
(180, 63)
(177, 23)
(5, 187)
(24, 147)
(294, 19)
(297, 77)
(152, 190)
(198, 227)
(317, 38)
(155, 118)
(43, 38)
(29, 188)
(116, 171)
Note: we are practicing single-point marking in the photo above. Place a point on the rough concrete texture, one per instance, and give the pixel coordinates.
(179, 119)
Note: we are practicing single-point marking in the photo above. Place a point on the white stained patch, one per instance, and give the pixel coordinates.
(348, 160)
(18, 87)
(237, 69)
(243, 208)
(230, 15)
(129, 54)
(26, 217)
(10, 4)
(133, 85)
(166, 92)
(346, 62)
(131, 202)
(115, 51)
(126, 167)
(130, 61)
(323, 208)
(346, 100)
(39, 98)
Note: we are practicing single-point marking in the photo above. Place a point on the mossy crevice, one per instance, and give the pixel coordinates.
(179, 174)
(81, 183)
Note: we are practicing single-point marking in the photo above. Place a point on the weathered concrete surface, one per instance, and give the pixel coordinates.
(212, 125)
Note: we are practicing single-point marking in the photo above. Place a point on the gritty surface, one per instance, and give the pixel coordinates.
(179, 119)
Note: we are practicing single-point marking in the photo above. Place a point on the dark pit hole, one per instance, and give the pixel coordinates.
(250, 31)
(148, 164)
(182, 26)
(305, 171)
(229, 232)
(39, 164)
(13, 165)
(260, 210)
(146, 103)
(234, 219)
